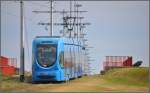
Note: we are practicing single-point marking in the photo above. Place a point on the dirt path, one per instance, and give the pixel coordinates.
(85, 84)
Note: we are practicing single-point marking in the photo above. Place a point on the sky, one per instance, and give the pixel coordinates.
(118, 28)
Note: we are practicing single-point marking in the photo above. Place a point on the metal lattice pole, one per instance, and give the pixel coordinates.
(51, 18)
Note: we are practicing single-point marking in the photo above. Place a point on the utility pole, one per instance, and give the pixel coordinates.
(0, 36)
(0, 30)
(51, 18)
(21, 43)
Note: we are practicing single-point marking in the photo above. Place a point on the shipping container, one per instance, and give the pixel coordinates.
(7, 66)
(3, 61)
(7, 70)
(117, 61)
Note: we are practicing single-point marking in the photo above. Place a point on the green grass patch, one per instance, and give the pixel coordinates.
(121, 79)
(129, 76)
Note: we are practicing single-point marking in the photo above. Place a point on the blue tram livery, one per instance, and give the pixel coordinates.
(56, 58)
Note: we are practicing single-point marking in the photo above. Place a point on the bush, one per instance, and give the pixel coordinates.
(102, 72)
(138, 63)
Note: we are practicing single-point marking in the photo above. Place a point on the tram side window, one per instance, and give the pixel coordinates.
(61, 59)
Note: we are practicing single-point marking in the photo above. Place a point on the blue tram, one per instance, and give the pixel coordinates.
(56, 59)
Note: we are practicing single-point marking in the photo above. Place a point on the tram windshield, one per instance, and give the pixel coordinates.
(46, 55)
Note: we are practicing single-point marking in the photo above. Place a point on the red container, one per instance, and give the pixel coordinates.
(7, 70)
(128, 62)
(3, 61)
(117, 61)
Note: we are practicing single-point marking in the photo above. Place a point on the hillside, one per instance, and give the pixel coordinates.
(131, 76)
(121, 79)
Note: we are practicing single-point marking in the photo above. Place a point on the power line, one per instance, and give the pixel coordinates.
(11, 14)
(26, 39)
(40, 5)
(29, 19)
(5, 37)
(17, 16)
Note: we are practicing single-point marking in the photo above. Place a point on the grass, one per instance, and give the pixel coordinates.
(128, 76)
(122, 79)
